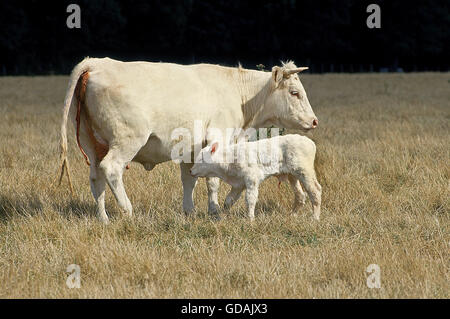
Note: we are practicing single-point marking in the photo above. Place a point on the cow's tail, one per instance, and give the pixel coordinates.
(77, 72)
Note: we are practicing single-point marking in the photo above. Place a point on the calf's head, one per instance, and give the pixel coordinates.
(287, 105)
(207, 161)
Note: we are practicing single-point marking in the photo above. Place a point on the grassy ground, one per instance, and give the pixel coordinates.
(383, 162)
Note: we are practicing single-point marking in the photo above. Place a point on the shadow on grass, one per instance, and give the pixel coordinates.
(262, 208)
(75, 208)
(29, 206)
(271, 207)
(10, 206)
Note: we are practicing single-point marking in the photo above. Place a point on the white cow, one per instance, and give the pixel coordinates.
(291, 156)
(126, 111)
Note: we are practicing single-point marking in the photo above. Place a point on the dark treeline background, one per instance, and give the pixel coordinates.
(327, 35)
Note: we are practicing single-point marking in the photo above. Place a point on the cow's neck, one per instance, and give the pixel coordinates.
(254, 87)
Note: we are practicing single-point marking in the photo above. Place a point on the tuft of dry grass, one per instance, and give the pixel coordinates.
(382, 158)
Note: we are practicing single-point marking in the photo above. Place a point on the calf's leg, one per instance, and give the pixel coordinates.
(213, 184)
(233, 196)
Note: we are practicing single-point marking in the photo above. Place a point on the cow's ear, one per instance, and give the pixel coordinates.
(277, 75)
(214, 147)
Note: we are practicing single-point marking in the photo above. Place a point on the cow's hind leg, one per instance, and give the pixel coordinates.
(98, 184)
(113, 171)
(113, 166)
(96, 176)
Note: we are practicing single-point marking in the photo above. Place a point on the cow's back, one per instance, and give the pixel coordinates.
(125, 99)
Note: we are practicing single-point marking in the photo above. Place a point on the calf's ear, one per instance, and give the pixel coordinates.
(214, 147)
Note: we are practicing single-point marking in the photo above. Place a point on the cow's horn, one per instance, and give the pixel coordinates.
(292, 71)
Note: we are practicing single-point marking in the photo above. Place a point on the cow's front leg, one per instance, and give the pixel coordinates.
(300, 197)
(188, 187)
(251, 196)
(213, 184)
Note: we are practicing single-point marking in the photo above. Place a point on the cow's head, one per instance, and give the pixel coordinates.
(287, 105)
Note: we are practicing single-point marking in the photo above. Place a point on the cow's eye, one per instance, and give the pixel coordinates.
(295, 93)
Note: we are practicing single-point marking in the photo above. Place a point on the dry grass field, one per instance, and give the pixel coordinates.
(383, 155)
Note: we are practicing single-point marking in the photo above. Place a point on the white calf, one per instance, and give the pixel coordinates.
(290, 156)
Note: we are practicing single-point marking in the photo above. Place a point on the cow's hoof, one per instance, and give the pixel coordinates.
(102, 217)
(213, 208)
(189, 214)
(215, 217)
(104, 221)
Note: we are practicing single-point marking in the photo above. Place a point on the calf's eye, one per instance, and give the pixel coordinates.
(295, 93)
